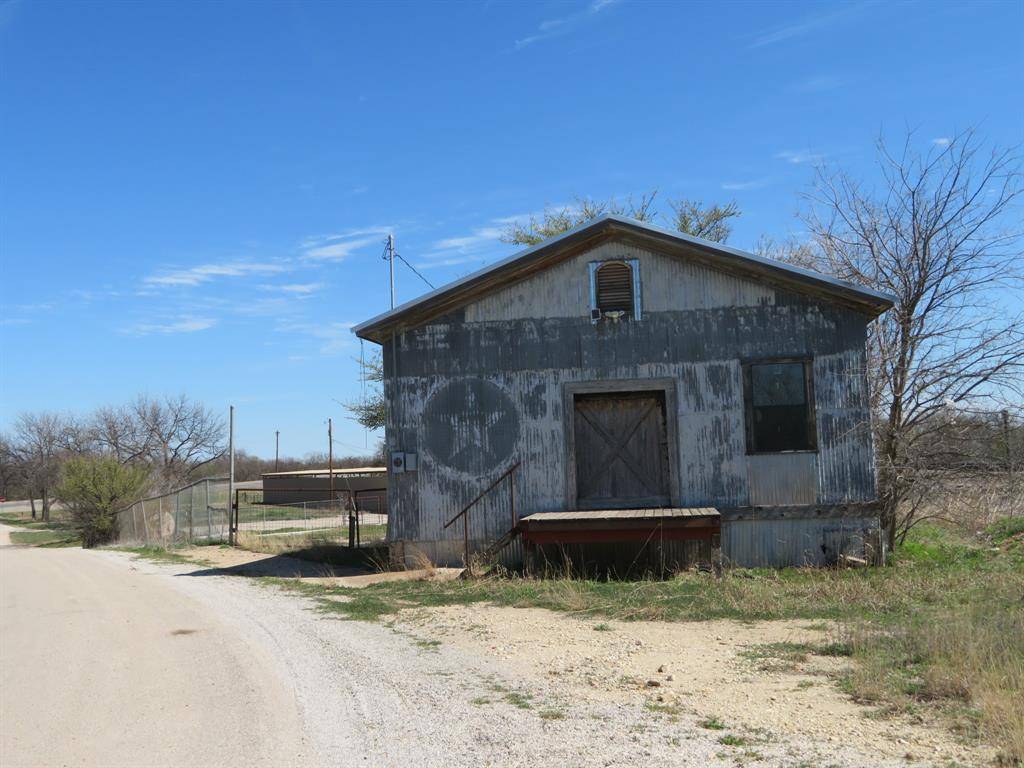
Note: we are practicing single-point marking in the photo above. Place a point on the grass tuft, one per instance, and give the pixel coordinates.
(730, 740)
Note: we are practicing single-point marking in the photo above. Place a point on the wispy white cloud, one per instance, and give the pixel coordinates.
(298, 289)
(334, 338)
(338, 251)
(32, 308)
(553, 27)
(180, 325)
(204, 273)
(799, 156)
(816, 84)
(740, 186)
(315, 240)
(339, 246)
(942, 141)
(476, 246)
(806, 25)
(451, 261)
(481, 236)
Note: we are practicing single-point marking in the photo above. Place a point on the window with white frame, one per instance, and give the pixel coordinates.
(615, 290)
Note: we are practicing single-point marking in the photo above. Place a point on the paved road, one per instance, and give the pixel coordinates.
(25, 507)
(101, 665)
(108, 662)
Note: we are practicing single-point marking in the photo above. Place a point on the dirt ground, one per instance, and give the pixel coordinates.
(139, 659)
(701, 668)
(710, 670)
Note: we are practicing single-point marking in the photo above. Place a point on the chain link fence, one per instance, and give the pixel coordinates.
(197, 512)
(359, 522)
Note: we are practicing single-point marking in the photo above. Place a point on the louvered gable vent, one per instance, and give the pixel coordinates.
(615, 288)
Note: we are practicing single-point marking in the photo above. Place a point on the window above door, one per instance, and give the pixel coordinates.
(615, 290)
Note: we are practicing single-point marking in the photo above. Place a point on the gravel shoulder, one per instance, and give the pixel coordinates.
(266, 679)
(742, 675)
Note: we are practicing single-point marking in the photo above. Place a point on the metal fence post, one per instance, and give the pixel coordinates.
(512, 497)
(209, 514)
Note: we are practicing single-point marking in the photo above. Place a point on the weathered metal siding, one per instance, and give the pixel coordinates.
(666, 284)
(788, 542)
(483, 387)
(783, 478)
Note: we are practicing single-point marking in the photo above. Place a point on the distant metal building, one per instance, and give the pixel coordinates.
(677, 396)
(366, 487)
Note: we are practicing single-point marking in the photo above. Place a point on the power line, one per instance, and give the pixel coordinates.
(390, 254)
(416, 271)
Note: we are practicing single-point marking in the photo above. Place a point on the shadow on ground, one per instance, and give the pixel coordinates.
(318, 561)
(285, 567)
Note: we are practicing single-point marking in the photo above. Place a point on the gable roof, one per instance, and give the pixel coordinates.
(520, 265)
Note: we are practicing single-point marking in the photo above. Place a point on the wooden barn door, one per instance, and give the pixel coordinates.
(621, 450)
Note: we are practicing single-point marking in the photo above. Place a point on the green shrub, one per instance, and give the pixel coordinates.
(1006, 528)
(94, 489)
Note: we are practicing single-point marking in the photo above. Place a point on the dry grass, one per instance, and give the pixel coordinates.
(420, 562)
(961, 653)
(973, 502)
(942, 628)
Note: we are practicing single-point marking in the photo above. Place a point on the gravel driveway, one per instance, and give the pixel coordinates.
(180, 667)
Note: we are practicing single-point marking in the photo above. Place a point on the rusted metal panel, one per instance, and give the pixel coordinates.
(777, 543)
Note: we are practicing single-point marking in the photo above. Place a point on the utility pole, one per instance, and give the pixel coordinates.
(394, 376)
(391, 264)
(330, 456)
(231, 475)
(277, 448)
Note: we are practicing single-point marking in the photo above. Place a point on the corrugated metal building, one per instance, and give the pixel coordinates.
(622, 366)
(365, 488)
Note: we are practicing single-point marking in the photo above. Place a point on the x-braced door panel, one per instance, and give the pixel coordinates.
(621, 450)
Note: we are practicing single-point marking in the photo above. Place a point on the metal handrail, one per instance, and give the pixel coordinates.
(484, 492)
(507, 474)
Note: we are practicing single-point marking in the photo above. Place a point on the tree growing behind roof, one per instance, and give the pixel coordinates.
(941, 234)
(371, 411)
(691, 217)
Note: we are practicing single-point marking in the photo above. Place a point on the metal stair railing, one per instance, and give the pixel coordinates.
(508, 474)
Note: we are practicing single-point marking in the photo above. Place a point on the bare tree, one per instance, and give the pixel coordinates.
(77, 436)
(181, 435)
(120, 432)
(37, 444)
(12, 471)
(935, 237)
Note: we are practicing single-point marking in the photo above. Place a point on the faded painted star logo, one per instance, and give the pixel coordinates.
(471, 426)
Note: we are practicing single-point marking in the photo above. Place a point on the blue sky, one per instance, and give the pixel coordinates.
(195, 195)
